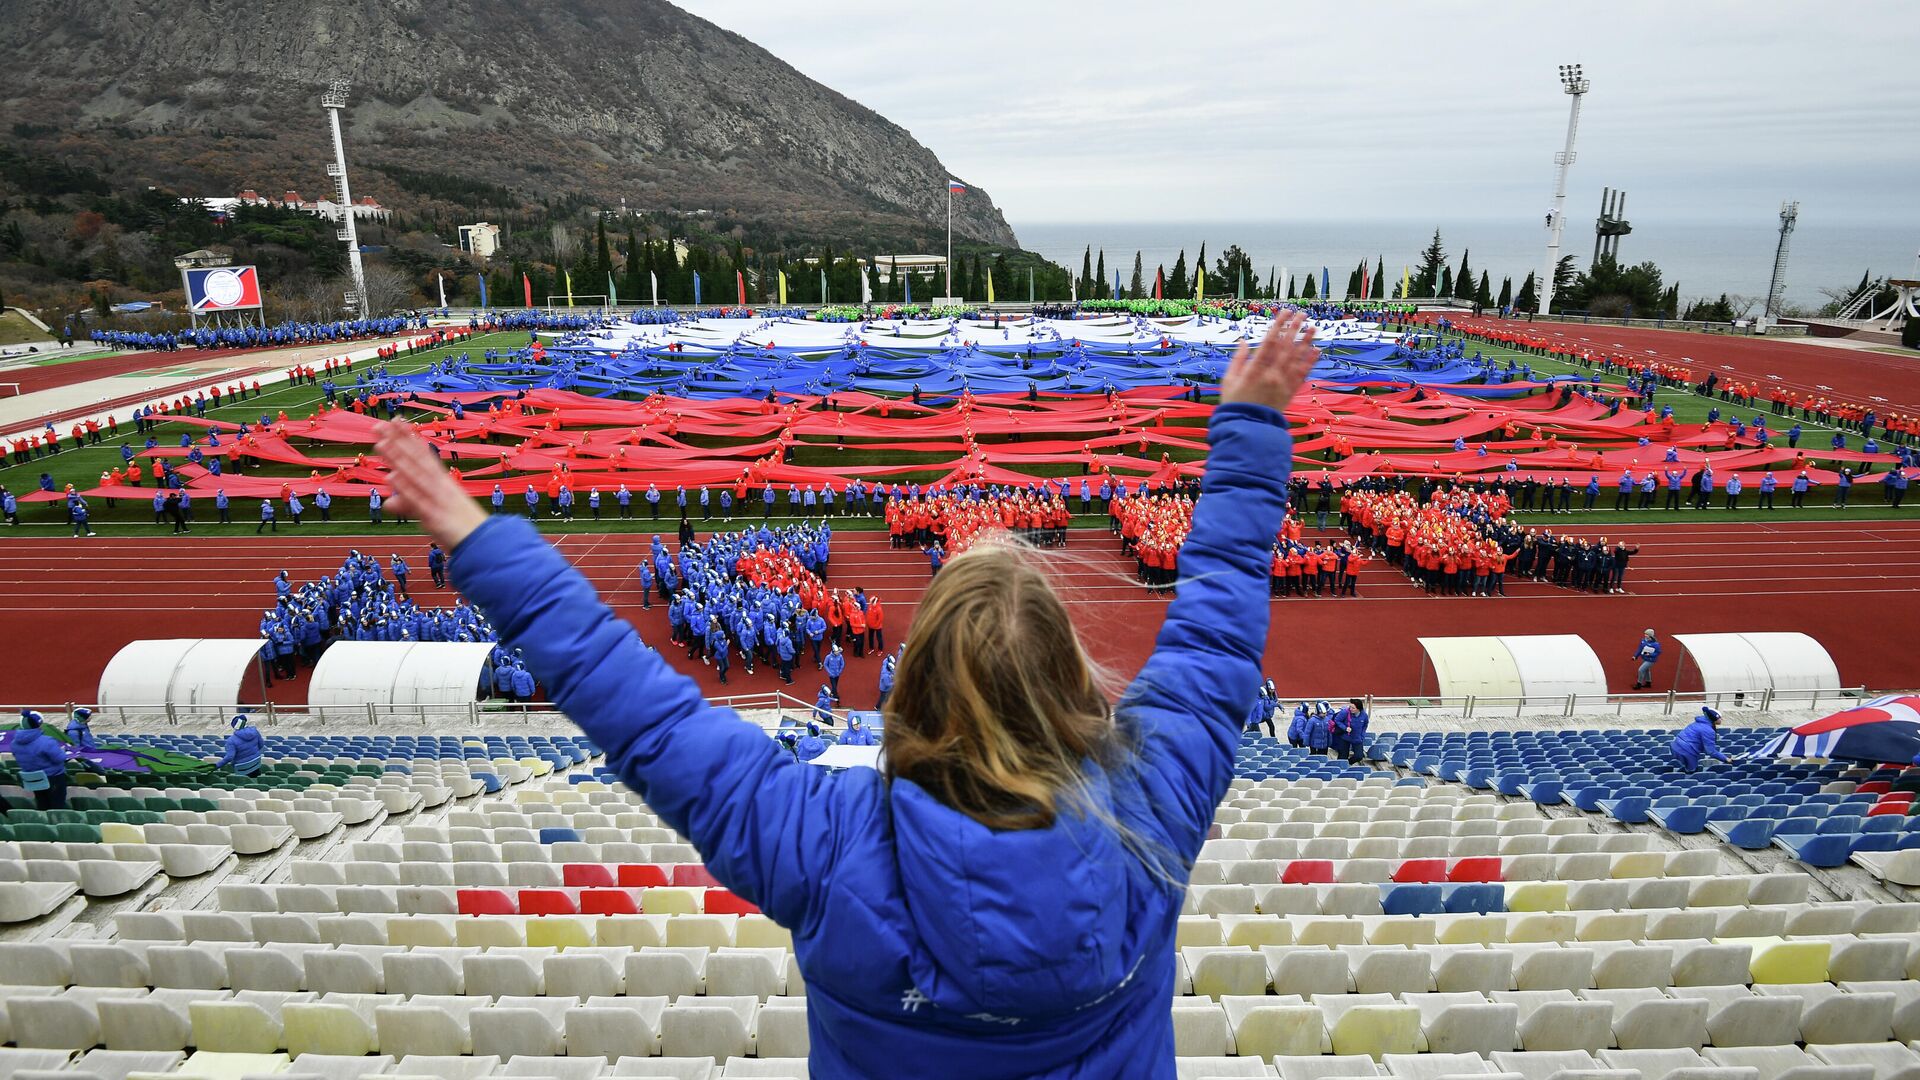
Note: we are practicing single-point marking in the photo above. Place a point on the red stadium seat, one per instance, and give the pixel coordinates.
(1874, 787)
(1889, 806)
(1425, 871)
(1477, 868)
(608, 902)
(484, 902)
(640, 876)
(722, 902)
(547, 902)
(587, 876)
(1308, 872)
(694, 875)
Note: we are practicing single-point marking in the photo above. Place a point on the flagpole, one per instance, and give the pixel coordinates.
(949, 237)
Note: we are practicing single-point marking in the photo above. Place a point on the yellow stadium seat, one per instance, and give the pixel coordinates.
(1780, 961)
(559, 932)
(1375, 1030)
(1537, 896)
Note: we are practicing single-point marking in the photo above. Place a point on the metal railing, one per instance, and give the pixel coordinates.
(1385, 709)
(479, 715)
(771, 709)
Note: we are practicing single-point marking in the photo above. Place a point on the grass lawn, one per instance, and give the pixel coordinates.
(82, 468)
(16, 330)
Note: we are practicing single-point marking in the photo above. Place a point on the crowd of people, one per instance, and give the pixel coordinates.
(367, 601)
(1457, 541)
(763, 595)
(953, 520)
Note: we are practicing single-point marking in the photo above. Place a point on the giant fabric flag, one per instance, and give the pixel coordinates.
(907, 284)
(1365, 282)
(696, 288)
(823, 285)
(1406, 282)
(1884, 729)
(1326, 285)
(613, 294)
(526, 285)
(482, 279)
(1199, 284)
(569, 274)
(740, 286)
(1159, 284)
(989, 285)
(783, 288)
(654, 280)
(1117, 291)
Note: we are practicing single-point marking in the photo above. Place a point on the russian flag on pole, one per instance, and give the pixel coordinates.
(955, 187)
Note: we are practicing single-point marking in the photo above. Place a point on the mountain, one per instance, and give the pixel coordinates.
(604, 99)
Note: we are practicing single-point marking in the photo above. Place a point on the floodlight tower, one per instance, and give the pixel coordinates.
(334, 100)
(1575, 85)
(1777, 289)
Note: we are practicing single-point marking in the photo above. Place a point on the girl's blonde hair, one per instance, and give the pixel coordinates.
(995, 708)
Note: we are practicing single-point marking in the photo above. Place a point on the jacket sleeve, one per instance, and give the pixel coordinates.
(1188, 702)
(766, 826)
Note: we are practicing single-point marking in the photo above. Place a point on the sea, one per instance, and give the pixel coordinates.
(1704, 259)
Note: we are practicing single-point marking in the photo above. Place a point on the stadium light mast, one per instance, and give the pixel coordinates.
(334, 100)
(1777, 287)
(1574, 84)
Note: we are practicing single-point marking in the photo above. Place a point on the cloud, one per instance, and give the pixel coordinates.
(1710, 110)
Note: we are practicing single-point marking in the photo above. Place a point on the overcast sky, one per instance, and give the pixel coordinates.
(1232, 110)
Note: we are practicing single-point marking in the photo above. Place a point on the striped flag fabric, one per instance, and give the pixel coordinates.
(955, 187)
(482, 279)
(526, 285)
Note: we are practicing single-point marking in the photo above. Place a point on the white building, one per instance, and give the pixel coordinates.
(481, 239)
(919, 265)
(365, 208)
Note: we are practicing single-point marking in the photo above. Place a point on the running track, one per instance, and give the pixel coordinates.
(1884, 379)
(66, 605)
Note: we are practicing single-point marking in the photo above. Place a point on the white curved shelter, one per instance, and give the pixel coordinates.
(211, 672)
(358, 673)
(1744, 663)
(1532, 668)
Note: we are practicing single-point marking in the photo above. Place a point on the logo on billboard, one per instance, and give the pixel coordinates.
(224, 288)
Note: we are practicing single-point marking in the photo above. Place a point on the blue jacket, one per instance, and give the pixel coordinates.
(242, 750)
(1319, 731)
(37, 751)
(978, 957)
(1647, 650)
(1297, 728)
(1696, 741)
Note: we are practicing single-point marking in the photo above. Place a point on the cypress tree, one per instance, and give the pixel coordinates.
(1100, 287)
(1086, 273)
(1446, 281)
(1529, 297)
(603, 256)
(1465, 276)
(1380, 279)
(1306, 292)
(1177, 281)
(1506, 292)
(1484, 296)
(1137, 287)
(1427, 275)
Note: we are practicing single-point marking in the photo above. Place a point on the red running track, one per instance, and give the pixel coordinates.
(1859, 375)
(67, 605)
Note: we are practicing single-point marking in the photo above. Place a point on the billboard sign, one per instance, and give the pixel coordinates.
(222, 288)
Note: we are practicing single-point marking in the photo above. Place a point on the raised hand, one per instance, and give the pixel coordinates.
(1276, 372)
(422, 490)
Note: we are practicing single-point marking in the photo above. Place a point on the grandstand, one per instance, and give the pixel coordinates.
(1509, 901)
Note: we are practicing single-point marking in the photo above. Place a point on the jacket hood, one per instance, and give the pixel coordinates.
(27, 736)
(1030, 923)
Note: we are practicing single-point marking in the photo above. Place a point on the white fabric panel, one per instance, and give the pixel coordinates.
(1481, 666)
(849, 757)
(1555, 665)
(1727, 663)
(179, 671)
(1795, 661)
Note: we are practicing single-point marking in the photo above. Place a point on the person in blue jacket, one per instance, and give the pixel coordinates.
(1645, 654)
(1355, 720)
(522, 682)
(886, 683)
(930, 915)
(1297, 727)
(80, 730)
(243, 747)
(1319, 728)
(857, 733)
(1696, 741)
(834, 665)
(810, 745)
(823, 705)
(42, 760)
